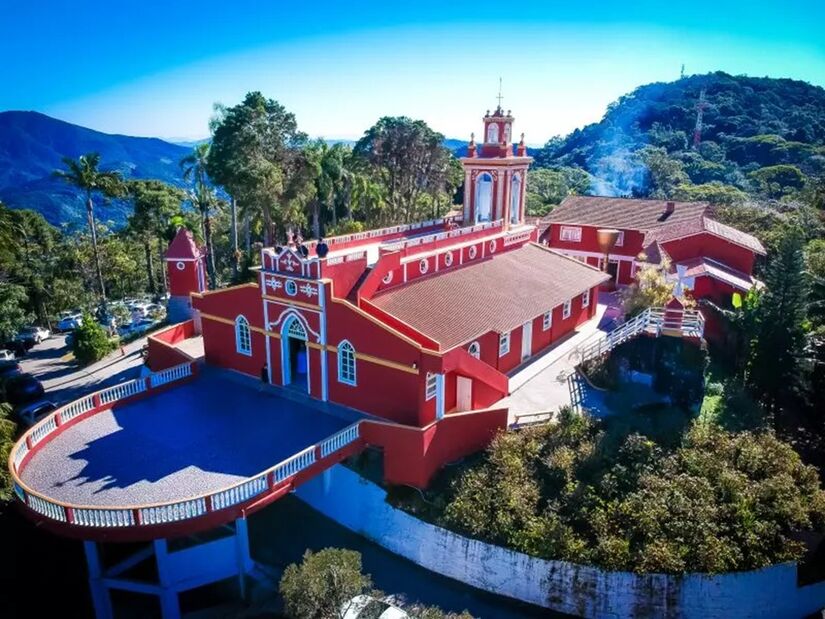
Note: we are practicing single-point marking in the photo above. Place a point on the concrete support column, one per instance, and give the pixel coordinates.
(169, 605)
(101, 600)
(242, 555)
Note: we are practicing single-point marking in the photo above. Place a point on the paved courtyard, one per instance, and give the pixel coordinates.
(196, 438)
(541, 386)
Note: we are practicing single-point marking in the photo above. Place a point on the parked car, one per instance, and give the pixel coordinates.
(22, 389)
(6, 355)
(33, 334)
(69, 322)
(9, 368)
(362, 606)
(29, 414)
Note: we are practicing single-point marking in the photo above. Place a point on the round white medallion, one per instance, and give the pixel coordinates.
(291, 287)
(180, 265)
(473, 251)
(423, 266)
(492, 246)
(387, 278)
(448, 258)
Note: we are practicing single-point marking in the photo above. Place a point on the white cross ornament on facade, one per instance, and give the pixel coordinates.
(274, 283)
(289, 263)
(309, 290)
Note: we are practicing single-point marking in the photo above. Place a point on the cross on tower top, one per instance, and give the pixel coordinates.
(499, 93)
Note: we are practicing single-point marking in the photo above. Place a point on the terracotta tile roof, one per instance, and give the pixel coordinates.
(734, 235)
(497, 294)
(649, 216)
(624, 213)
(183, 246)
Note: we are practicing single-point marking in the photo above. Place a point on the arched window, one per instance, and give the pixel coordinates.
(492, 133)
(346, 363)
(243, 340)
(515, 199)
(475, 350)
(484, 197)
(506, 139)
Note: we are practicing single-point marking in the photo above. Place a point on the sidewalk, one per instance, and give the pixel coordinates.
(541, 385)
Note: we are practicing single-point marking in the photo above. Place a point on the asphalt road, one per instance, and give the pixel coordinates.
(64, 380)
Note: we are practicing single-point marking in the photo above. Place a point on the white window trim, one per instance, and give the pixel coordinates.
(573, 232)
(503, 344)
(586, 298)
(240, 323)
(620, 239)
(547, 321)
(344, 349)
(567, 309)
(431, 386)
(477, 346)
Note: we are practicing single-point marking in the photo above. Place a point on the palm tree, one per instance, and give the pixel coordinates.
(203, 198)
(84, 174)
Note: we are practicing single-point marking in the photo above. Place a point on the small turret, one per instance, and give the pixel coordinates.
(186, 269)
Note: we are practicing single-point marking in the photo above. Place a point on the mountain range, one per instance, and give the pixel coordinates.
(33, 145)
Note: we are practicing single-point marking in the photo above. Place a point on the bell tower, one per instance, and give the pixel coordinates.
(495, 173)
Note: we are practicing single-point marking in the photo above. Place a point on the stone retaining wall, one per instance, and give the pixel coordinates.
(579, 590)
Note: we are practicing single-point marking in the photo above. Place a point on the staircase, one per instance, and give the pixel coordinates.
(655, 321)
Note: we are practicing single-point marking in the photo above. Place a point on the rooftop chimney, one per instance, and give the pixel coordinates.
(670, 207)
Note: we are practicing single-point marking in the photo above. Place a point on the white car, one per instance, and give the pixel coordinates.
(33, 334)
(6, 355)
(70, 322)
(368, 606)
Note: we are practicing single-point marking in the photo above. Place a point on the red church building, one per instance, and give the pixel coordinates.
(412, 322)
(707, 257)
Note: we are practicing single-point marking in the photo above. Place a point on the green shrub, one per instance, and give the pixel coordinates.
(582, 491)
(322, 583)
(90, 341)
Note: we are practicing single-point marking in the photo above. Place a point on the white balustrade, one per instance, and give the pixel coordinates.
(240, 493)
(103, 517)
(340, 439)
(124, 390)
(22, 450)
(173, 512)
(78, 407)
(172, 374)
(43, 429)
(47, 508)
(295, 464)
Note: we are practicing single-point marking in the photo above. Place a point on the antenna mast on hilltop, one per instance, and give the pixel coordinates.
(682, 72)
(700, 112)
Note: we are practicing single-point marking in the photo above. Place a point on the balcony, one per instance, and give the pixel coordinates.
(173, 453)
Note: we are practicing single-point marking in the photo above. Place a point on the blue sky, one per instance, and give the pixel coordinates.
(156, 68)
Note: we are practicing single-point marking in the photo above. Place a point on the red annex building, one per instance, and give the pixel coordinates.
(707, 257)
(412, 322)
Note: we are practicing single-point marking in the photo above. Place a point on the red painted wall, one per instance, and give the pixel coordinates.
(710, 246)
(183, 281)
(413, 455)
(631, 247)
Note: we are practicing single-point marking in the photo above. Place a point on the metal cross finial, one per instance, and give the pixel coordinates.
(499, 93)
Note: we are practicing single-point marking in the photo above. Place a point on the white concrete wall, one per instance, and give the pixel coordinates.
(585, 591)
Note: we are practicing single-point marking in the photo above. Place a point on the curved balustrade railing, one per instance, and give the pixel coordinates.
(160, 513)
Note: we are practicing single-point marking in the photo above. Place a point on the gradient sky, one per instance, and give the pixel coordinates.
(156, 68)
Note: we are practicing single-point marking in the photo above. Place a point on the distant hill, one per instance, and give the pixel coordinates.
(748, 123)
(32, 146)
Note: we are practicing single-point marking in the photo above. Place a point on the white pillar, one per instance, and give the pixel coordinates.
(467, 190)
(439, 396)
(242, 553)
(101, 600)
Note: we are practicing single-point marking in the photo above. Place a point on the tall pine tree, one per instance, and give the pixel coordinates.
(774, 372)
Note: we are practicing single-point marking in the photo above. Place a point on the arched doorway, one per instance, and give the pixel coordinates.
(294, 359)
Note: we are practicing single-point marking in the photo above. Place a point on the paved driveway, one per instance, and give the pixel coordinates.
(64, 380)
